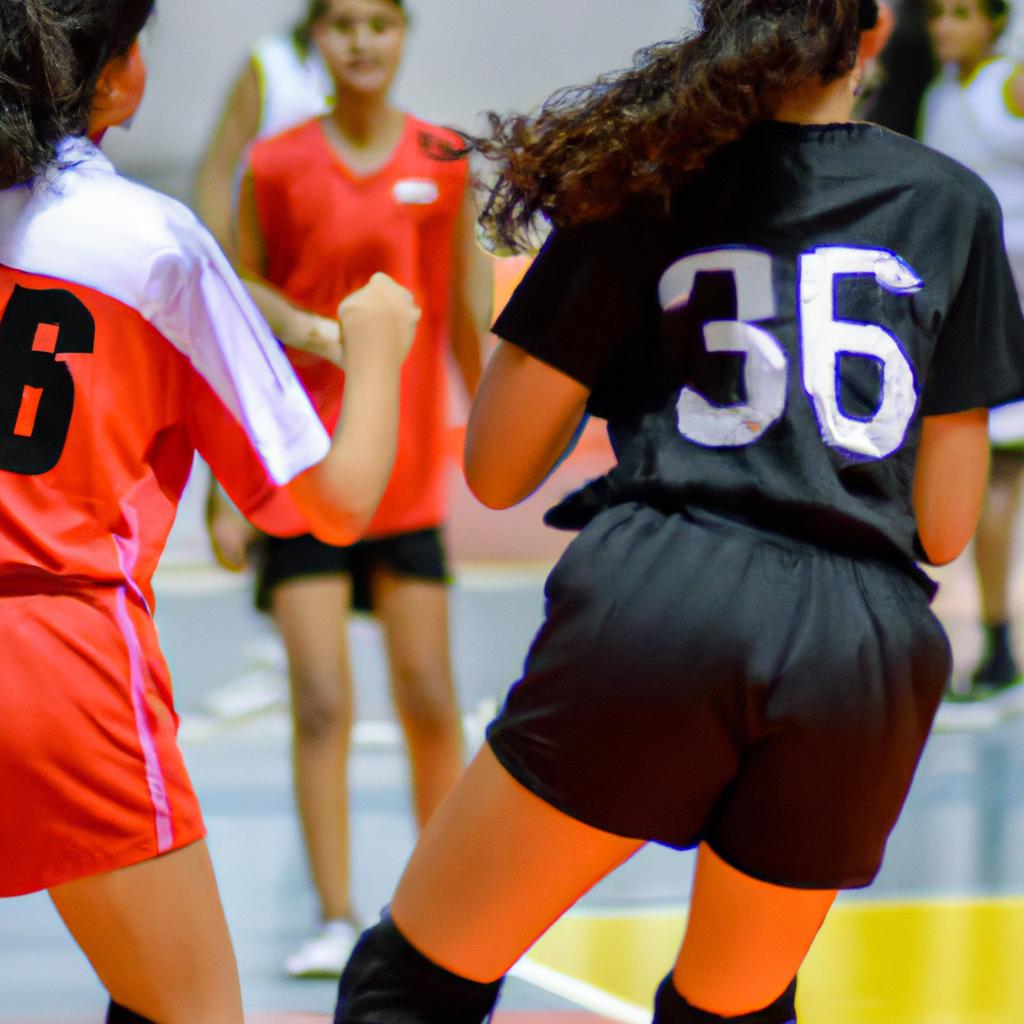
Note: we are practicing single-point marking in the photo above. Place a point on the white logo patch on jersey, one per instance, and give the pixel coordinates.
(416, 192)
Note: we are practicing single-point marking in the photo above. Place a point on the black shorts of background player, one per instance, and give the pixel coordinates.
(794, 325)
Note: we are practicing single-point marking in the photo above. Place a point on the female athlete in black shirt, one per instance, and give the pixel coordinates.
(794, 325)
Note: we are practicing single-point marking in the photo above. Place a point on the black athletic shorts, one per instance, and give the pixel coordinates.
(701, 679)
(418, 554)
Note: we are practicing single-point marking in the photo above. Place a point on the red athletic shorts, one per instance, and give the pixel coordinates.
(91, 777)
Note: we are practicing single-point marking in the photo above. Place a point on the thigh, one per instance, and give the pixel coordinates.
(1007, 468)
(745, 939)
(311, 614)
(414, 615)
(409, 578)
(493, 869)
(155, 934)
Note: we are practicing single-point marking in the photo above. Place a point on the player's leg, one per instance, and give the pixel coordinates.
(414, 614)
(494, 867)
(155, 934)
(993, 545)
(835, 740)
(311, 614)
(745, 940)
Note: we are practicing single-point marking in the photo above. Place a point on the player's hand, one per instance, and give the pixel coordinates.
(231, 534)
(378, 321)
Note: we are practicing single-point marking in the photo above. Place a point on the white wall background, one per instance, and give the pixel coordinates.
(464, 56)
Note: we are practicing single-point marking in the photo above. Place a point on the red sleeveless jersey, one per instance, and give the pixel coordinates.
(327, 230)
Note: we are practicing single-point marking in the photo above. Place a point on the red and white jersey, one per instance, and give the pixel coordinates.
(126, 344)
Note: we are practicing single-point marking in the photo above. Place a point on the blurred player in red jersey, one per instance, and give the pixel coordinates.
(128, 343)
(322, 207)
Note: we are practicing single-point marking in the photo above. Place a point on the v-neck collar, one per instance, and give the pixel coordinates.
(350, 172)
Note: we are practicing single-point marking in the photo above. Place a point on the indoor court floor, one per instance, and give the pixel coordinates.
(939, 939)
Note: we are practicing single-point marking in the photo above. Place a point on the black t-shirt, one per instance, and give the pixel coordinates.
(769, 348)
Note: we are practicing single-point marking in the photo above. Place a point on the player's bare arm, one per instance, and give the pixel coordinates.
(524, 416)
(297, 328)
(949, 481)
(339, 495)
(215, 181)
(472, 297)
(1015, 90)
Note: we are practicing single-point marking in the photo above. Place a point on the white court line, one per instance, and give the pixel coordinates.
(196, 727)
(199, 580)
(584, 995)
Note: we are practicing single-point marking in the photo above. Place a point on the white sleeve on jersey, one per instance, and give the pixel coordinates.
(200, 306)
(86, 224)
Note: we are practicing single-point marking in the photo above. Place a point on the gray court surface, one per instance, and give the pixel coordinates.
(962, 833)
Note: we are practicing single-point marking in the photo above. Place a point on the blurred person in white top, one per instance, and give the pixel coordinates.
(284, 82)
(974, 112)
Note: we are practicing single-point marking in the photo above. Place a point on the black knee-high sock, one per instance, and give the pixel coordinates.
(117, 1014)
(388, 981)
(671, 1008)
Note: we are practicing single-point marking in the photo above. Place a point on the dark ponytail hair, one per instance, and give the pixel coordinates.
(639, 133)
(51, 56)
(303, 31)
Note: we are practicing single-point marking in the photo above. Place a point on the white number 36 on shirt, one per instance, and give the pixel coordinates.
(824, 340)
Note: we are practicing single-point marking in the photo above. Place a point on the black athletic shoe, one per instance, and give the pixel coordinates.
(995, 672)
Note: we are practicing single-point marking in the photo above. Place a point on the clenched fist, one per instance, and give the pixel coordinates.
(378, 321)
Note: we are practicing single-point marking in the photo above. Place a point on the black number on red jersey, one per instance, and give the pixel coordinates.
(826, 340)
(37, 392)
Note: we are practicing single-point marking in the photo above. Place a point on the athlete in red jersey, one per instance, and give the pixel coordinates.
(323, 206)
(127, 343)
(325, 229)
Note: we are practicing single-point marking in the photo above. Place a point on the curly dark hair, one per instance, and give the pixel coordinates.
(639, 133)
(51, 56)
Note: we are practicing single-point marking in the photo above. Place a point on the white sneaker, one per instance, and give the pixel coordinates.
(326, 953)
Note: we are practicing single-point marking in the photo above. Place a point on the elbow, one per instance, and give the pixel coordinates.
(340, 529)
(943, 538)
(941, 550)
(337, 535)
(490, 496)
(946, 522)
(334, 516)
(489, 486)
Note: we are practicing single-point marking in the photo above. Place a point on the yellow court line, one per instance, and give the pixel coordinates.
(954, 961)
